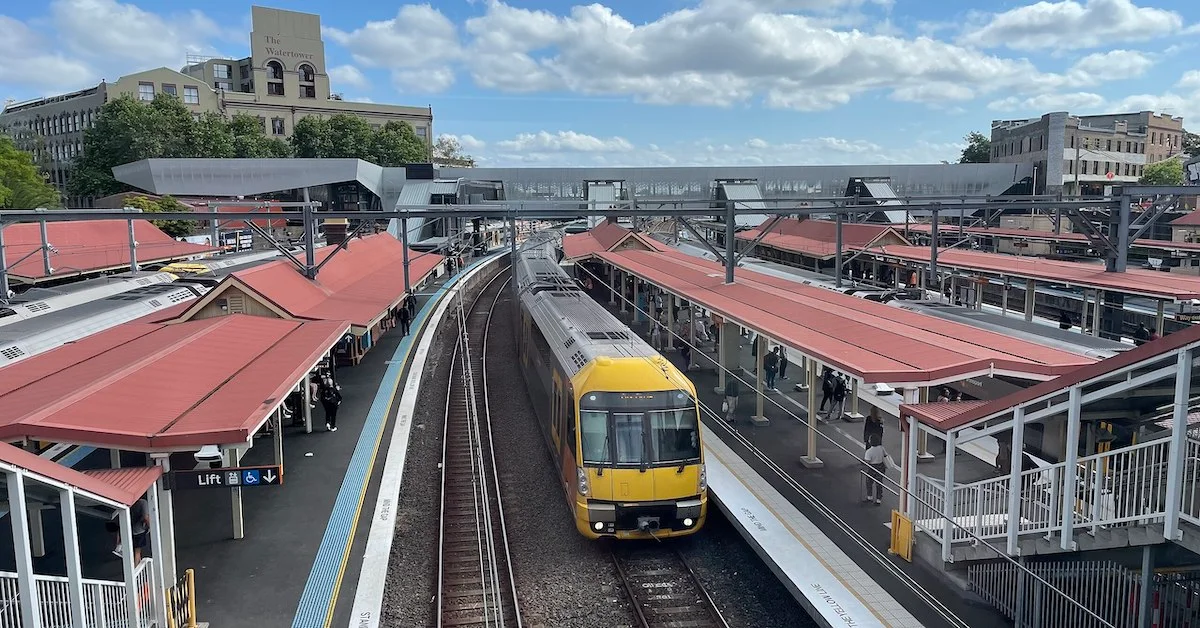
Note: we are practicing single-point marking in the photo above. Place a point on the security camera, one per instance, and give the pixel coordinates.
(210, 454)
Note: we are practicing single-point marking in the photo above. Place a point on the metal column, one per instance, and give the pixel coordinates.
(45, 249)
(1030, 298)
(3, 269)
(233, 458)
(1015, 496)
(127, 556)
(730, 244)
(759, 392)
(1176, 459)
(837, 258)
(133, 262)
(310, 229)
(1098, 313)
(810, 460)
(407, 284)
(306, 398)
(70, 529)
(948, 503)
(165, 552)
(933, 256)
(30, 606)
(1146, 590)
(1160, 318)
(1070, 470)
(277, 423)
(160, 606)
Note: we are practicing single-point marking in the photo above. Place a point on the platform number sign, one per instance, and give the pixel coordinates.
(230, 477)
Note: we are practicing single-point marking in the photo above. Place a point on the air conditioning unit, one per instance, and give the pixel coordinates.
(883, 390)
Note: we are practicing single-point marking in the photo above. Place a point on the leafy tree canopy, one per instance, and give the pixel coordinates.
(1191, 144)
(346, 136)
(22, 185)
(978, 149)
(448, 152)
(1166, 172)
(397, 144)
(173, 228)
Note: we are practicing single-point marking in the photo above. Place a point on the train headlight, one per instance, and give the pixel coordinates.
(687, 523)
(599, 525)
(581, 478)
(703, 483)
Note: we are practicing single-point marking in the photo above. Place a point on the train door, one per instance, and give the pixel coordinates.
(570, 445)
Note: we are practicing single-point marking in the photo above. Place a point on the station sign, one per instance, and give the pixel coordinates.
(227, 477)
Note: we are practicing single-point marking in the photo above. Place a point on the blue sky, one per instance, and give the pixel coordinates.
(670, 82)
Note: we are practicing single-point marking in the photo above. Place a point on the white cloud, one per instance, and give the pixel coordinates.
(108, 31)
(419, 39)
(427, 80)
(469, 143)
(1075, 102)
(1110, 66)
(348, 75)
(724, 52)
(358, 99)
(22, 63)
(554, 150)
(1190, 80)
(1070, 25)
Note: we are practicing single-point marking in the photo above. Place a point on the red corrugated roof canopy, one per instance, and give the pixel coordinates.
(870, 340)
(360, 284)
(1050, 236)
(89, 246)
(144, 386)
(123, 486)
(605, 236)
(818, 238)
(1147, 283)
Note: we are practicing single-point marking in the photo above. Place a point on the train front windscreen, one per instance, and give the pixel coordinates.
(642, 429)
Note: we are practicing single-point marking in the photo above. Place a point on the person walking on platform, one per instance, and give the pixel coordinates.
(1064, 320)
(331, 398)
(876, 459)
(771, 366)
(412, 306)
(656, 335)
(837, 410)
(826, 387)
(405, 321)
(733, 388)
(686, 352)
(783, 362)
(873, 427)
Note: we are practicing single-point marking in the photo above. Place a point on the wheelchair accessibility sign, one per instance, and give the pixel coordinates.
(227, 477)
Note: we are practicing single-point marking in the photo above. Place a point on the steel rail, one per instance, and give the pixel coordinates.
(672, 566)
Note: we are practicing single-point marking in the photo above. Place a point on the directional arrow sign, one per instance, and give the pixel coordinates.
(227, 477)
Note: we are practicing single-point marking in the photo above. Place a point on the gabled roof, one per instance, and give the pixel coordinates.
(360, 284)
(120, 488)
(1190, 219)
(606, 236)
(155, 386)
(956, 415)
(818, 238)
(85, 246)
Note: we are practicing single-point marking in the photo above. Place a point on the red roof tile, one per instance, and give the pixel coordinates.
(1190, 219)
(873, 341)
(818, 238)
(100, 486)
(1134, 281)
(266, 223)
(1162, 346)
(133, 481)
(1048, 236)
(90, 246)
(606, 236)
(157, 386)
(360, 284)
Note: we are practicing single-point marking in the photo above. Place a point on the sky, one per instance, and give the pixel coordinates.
(669, 82)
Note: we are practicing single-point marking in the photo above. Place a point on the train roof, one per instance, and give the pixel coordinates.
(42, 301)
(25, 338)
(579, 330)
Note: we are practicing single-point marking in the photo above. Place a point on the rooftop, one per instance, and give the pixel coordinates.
(122, 486)
(818, 238)
(159, 386)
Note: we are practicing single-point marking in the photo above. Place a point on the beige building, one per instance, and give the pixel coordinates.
(282, 81)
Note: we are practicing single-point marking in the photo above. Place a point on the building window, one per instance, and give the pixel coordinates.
(277, 126)
(146, 91)
(422, 132)
(170, 90)
(1070, 167)
(221, 71)
(274, 71)
(1153, 137)
(308, 91)
(307, 75)
(191, 95)
(275, 88)
(224, 86)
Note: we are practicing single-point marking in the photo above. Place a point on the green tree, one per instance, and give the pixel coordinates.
(1166, 172)
(397, 144)
(22, 185)
(310, 138)
(210, 136)
(448, 152)
(978, 149)
(350, 137)
(1191, 144)
(173, 228)
(250, 139)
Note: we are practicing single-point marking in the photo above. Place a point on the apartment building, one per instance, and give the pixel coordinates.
(282, 81)
(1084, 154)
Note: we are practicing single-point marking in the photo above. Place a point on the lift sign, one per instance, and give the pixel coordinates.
(226, 477)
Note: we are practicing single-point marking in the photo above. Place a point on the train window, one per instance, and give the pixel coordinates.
(673, 435)
(630, 434)
(594, 427)
(571, 423)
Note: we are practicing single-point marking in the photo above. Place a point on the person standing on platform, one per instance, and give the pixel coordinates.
(771, 366)
(837, 410)
(826, 387)
(873, 427)
(1142, 335)
(686, 352)
(1064, 320)
(331, 398)
(412, 306)
(876, 459)
(656, 332)
(783, 362)
(733, 388)
(405, 321)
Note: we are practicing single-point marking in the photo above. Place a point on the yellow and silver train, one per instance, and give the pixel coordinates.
(621, 421)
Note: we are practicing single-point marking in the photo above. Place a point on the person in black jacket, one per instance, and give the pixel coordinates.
(826, 387)
(331, 398)
(873, 426)
(405, 320)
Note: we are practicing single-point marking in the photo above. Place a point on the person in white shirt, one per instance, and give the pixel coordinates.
(876, 459)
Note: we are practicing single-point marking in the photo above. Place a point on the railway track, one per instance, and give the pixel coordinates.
(476, 586)
(664, 591)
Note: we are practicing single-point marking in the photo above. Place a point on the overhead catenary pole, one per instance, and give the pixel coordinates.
(837, 262)
(46, 268)
(310, 228)
(730, 245)
(3, 268)
(133, 261)
(404, 252)
(933, 256)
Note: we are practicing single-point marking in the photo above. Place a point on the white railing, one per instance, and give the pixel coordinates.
(1123, 487)
(104, 601)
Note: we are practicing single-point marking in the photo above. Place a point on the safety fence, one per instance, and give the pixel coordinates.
(181, 601)
(1111, 591)
(105, 602)
(1124, 487)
